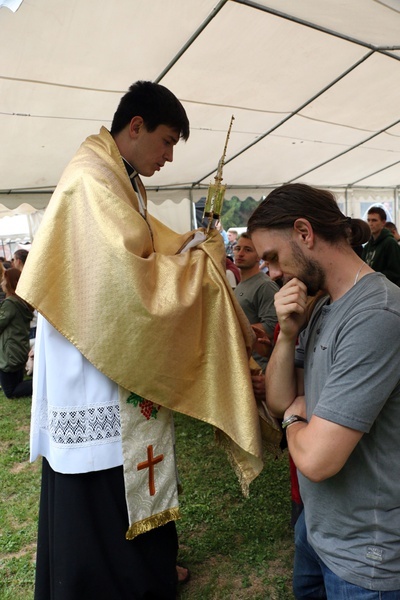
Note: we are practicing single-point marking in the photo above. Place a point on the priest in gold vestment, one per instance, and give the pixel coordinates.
(135, 322)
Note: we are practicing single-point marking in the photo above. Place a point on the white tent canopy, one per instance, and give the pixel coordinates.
(314, 87)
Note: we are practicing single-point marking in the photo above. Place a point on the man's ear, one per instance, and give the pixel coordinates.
(304, 232)
(135, 126)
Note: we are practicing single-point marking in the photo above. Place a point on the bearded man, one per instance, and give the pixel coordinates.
(336, 383)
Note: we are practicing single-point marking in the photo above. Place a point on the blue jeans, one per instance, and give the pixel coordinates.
(313, 579)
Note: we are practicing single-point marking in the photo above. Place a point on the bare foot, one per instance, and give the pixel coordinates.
(183, 574)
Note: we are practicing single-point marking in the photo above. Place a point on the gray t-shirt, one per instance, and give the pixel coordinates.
(351, 356)
(256, 297)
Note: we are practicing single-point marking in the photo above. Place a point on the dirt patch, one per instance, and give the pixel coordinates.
(25, 465)
(24, 428)
(29, 549)
(18, 467)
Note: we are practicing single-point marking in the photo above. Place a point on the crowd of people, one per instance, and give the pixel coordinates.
(311, 309)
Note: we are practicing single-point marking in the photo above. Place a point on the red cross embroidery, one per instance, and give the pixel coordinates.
(149, 464)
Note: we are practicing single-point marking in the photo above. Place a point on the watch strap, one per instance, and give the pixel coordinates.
(293, 419)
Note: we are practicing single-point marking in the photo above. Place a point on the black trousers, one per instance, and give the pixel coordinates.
(82, 551)
(14, 385)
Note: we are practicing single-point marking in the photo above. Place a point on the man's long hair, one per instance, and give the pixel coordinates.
(284, 205)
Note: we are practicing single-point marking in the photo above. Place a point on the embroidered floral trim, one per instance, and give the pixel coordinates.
(147, 407)
(84, 425)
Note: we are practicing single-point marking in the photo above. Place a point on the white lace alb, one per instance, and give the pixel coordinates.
(80, 426)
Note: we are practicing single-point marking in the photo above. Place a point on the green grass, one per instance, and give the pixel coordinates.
(19, 501)
(236, 548)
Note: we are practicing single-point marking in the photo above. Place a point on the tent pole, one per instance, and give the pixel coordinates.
(193, 221)
(28, 218)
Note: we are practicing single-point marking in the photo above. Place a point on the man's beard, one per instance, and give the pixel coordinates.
(310, 271)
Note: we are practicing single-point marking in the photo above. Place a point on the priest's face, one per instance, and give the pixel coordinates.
(150, 150)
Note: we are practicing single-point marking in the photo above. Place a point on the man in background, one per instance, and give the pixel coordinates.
(393, 230)
(19, 259)
(382, 253)
(232, 240)
(255, 292)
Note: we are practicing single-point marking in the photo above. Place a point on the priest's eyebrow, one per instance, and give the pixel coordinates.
(172, 139)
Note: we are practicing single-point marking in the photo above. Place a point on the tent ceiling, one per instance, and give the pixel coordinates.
(314, 87)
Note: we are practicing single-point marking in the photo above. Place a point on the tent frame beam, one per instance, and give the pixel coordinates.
(192, 39)
(384, 49)
(294, 113)
(371, 137)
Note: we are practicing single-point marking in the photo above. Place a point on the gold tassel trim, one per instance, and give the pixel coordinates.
(171, 514)
(223, 442)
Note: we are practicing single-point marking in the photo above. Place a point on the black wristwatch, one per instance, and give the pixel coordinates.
(293, 419)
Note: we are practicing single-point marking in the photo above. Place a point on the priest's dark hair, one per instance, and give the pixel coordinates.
(284, 205)
(155, 104)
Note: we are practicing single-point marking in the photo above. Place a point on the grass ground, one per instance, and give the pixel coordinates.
(236, 548)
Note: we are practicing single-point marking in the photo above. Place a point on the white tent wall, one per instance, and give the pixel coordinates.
(313, 87)
(358, 202)
(175, 213)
